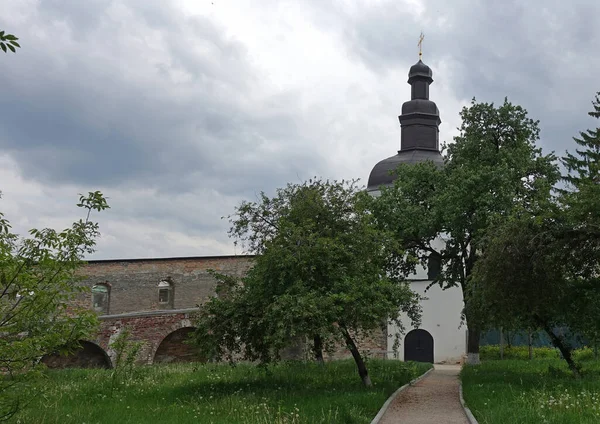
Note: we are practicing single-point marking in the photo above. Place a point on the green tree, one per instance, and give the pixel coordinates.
(541, 267)
(323, 273)
(492, 167)
(37, 283)
(525, 276)
(581, 197)
(580, 205)
(8, 42)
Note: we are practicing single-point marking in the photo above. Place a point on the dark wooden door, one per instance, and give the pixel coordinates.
(418, 346)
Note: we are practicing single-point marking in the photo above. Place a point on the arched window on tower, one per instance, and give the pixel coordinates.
(434, 266)
(166, 294)
(101, 298)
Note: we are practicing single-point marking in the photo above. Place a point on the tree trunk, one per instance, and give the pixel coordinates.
(565, 350)
(473, 344)
(501, 343)
(473, 330)
(318, 349)
(530, 344)
(360, 364)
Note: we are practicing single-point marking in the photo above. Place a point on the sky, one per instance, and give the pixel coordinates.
(179, 110)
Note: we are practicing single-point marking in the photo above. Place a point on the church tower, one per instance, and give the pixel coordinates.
(441, 336)
(419, 136)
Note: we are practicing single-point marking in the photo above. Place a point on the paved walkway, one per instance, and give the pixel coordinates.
(434, 399)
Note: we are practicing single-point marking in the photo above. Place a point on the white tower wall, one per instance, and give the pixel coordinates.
(441, 316)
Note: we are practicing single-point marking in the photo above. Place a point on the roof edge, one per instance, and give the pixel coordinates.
(172, 258)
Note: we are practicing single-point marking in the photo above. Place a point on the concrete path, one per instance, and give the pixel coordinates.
(434, 399)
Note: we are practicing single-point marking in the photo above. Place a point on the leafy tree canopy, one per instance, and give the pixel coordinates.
(581, 198)
(541, 267)
(320, 274)
(37, 285)
(492, 167)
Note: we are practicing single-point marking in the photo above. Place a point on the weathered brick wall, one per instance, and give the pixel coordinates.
(372, 345)
(150, 329)
(88, 355)
(134, 306)
(163, 333)
(133, 283)
(174, 348)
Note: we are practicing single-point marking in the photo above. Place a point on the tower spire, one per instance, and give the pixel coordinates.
(420, 117)
(420, 44)
(419, 129)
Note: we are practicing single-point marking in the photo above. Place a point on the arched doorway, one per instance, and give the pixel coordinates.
(174, 348)
(418, 346)
(87, 355)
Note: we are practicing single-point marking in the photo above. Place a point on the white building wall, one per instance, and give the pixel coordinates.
(441, 316)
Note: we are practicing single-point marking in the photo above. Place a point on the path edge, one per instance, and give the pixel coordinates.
(470, 416)
(387, 403)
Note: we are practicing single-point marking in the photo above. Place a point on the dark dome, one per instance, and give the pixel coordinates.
(419, 130)
(419, 69)
(380, 175)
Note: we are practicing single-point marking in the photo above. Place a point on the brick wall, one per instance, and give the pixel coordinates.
(174, 348)
(89, 355)
(134, 305)
(372, 345)
(134, 283)
(150, 328)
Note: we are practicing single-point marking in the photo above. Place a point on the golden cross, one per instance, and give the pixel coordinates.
(420, 44)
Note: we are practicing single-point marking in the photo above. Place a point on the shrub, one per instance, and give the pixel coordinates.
(584, 354)
(517, 352)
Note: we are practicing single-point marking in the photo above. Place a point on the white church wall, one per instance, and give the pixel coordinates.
(441, 315)
(441, 318)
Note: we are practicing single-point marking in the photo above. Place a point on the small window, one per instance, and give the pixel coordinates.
(165, 294)
(101, 298)
(434, 266)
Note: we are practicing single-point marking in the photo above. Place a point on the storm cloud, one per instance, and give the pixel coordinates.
(180, 110)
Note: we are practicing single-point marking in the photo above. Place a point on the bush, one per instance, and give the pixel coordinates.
(584, 354)
(517, 352)
(491, 352)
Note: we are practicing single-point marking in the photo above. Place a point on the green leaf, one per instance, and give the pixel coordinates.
(3, 47)
(11, 48)
(14, 43)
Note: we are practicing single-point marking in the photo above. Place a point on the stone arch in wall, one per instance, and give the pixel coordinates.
(174, 349)
(418, 346)
(86, 355)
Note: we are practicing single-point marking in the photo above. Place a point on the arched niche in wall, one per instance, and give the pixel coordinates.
(174, 348)
(86, 355)
(166, 294)
(101, 298)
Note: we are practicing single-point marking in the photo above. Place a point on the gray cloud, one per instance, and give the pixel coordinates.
(101, 112)
(178, 116)
(539, 54)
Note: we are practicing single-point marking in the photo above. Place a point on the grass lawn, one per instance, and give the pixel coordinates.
(211, 393)
(537, 391)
